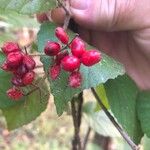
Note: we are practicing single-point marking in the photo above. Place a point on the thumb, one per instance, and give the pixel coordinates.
(110, 14)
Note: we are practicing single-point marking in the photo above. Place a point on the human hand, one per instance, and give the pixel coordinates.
(120, 28)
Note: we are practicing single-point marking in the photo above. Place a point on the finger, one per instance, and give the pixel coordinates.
(111, 15)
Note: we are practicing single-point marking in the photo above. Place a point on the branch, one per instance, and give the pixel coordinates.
(118, 127)
(39, 54)
(86, 138)
(67, 11)
(74, 117)
(76, 105)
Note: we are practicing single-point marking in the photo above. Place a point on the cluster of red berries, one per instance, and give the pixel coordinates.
(21, 65)
(70, 62)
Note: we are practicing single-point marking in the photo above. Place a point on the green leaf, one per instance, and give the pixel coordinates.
(122, 93)
(27, 110)
(146, 143)
(27, 6)
(98, 121)
(92, 76)
(15, 20)
(143, 109)
(100, 90)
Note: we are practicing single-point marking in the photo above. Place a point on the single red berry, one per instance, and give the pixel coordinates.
(29, 62)
(9, 47)
(14, 59)
(52, 48)
(75, 79)
(54, 71)
(91, 57)
(77, 47)
(17, 81)
(62, 35)
(5, 67)
(28, 78)
(60, 56)
(70, 63)
(41, 17)
(21, 70)
(14, 93)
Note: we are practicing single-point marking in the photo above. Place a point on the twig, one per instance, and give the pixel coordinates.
(64, 7)
(30, 92)
(39, 66)
(76, 105)
(39, 54)
(118, 127)
(74, 117)
(25, 48)
(80, 103)
(68, 45)
(86, 138)
(68, 13)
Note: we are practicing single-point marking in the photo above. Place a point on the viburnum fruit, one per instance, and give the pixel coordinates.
(60, 56)
(21, 65)
(62, 35)
(77, 47)
(28, 78)
(70, 63)
(9, 47)
(17, 81)
(28, 62)
(75, 79)
(21, 70)
(14, 93)
(52, 48)
(91, 57)
(5, 67)
(41, 17)
(54, 71)
(14, 59)
(69, 60)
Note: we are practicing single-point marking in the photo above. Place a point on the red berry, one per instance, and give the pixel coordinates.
(52, 48)
(91, 57)
(5, 67)
(28, 78)
(75, 79)
(14, 59)
(77, 47)
(54, 72)
(9, 47)
(62, 35)
(60, 56)
(41, 17)
(14, 93)
(21, 70)
(17, 81)
(70, 63)
(28, 62)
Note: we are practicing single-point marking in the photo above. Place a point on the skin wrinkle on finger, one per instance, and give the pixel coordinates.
(113, 15)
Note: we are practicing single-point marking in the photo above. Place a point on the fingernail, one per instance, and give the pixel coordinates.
(80, 4)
